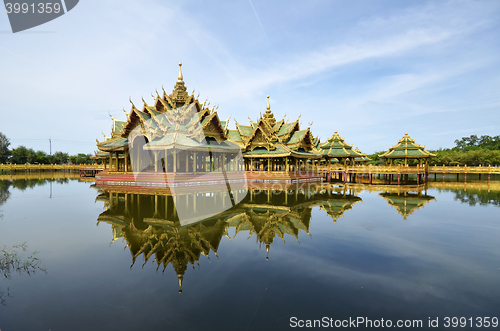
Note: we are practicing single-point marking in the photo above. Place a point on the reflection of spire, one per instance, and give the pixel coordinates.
(180, 277)
(267, 252)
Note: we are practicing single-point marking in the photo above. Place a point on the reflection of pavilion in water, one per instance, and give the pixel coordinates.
(407, 202)
(151, 227)
(406, 199)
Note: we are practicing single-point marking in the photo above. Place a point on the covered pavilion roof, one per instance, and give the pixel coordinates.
(406, 148)
(336, 147)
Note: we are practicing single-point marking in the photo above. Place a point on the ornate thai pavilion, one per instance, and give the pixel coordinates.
(405, 149)
(337, 150)
(179, 135)
(270, 145)
(176, 121)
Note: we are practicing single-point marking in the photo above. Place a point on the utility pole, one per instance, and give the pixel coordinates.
(50, 143)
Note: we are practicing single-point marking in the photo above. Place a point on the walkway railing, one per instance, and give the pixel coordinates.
(40, 167)
(402, 169)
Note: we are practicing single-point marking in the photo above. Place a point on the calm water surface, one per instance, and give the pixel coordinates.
(373, 252)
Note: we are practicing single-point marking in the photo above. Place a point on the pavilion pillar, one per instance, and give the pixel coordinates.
(286, 164)
(268, 164)
(155, 153)
(175, 161)
(126, 160)
(194, 163)
(166, 161)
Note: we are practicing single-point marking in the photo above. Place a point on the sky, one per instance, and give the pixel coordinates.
(370, 70)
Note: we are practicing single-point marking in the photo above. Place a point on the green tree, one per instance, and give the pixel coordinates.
(376, 160)
(41, 157)
(475, 142)
(59, 158)
(22, 155)
(4, 148)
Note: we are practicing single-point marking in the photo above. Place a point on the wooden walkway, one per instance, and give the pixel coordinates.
(350, 174)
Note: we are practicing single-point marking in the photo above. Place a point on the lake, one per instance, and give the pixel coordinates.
(277, 260)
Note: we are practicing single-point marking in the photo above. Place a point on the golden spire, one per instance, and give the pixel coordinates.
(267, 252)
(268, 116)
(179, 79)
(179, 94)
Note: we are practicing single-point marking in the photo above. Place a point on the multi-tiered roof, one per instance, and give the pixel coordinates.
(406, 148)
(337, 148)
(271, 138)
(175, 120)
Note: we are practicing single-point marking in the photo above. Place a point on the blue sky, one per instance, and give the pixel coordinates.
(371, 70)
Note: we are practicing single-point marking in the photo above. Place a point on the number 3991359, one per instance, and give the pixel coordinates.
(40, 8)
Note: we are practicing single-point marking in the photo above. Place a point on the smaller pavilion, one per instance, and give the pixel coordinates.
(337, 150)
(269, 145)
(405, 149)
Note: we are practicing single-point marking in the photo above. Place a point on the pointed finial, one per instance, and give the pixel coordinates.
(179, 79)
(268, 105)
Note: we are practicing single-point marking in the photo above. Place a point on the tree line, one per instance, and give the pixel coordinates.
(23, 155)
